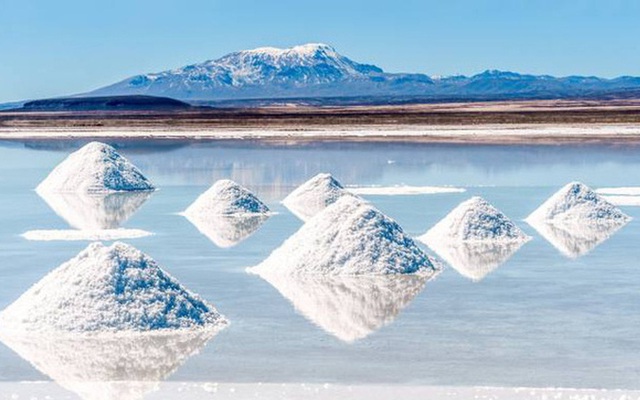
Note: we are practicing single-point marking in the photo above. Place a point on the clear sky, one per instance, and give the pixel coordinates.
(57, 47)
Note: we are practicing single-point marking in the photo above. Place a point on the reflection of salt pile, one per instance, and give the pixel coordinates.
(108, 289)
(228, 230)
(94, 216)
(475, 238)
(95, 168)
(106, 367)
(576, 219)
(314, 196)
(227, 213)
(348, 307)
(88, 211)
(350, 237)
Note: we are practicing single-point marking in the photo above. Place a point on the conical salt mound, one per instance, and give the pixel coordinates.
(108, 289)
(226, 197)
(475, 220)
(314, 196)
(576, 202)
(95, 168)
(350, 237)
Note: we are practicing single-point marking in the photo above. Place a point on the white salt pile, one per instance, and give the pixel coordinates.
(228, 230)
(109, 289)
(95, 168)
(348, 307)
(314, 196)
(475, 220)
(226, 197)
(576, 219)
(475, 238)
(576, 202)
(349, 237)
(108, 367)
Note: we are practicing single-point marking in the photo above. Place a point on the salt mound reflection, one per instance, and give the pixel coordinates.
(227, 230)
(475, 260)
(107, 367)
(348, 307)
(86, 211)
(575, 239)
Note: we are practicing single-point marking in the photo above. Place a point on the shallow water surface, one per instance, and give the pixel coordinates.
(560, 311)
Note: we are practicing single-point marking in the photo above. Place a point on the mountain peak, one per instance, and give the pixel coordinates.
(308, 49)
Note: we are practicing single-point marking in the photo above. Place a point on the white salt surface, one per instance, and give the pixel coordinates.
(633, 201)
(622, 191)
(349, 237)
(95, 168)
(314, 196)
(402, 190)
(44, 235)
(348, 307)
(108, 367)
(474, 220)
(576, 202)
(109, 289)
(226, 197)
(227, 230)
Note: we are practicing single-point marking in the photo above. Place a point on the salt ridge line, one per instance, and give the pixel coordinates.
(401, 190)
(46, 235)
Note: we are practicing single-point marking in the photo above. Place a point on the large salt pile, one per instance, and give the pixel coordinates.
(349, 237)
(577, 203)
(475, 220)
(348, 307)
(576, 219)
(314, 196)
(109, 289)
(226, 197)
(106, 367)
(95, 168)
(475, 238)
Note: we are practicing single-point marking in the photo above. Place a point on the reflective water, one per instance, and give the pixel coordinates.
(562, 310)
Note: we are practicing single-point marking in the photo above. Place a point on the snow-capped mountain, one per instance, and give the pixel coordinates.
(318, 70)
(306, 70)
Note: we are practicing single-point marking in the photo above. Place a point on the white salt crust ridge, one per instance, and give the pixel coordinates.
(350, 237)
(576, 202)
(95, 168)
(226, 197)
(475, 220)
(314, 196)
(109, 289)
(403, 190)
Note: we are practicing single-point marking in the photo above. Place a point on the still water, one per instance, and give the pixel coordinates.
(545, 317)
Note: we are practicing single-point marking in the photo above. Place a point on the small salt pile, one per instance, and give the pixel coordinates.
(226, 197)
(349, 237)
(95, 168)
(474, 220)
(314, 196)
(577, 203)
(475, 238)
(109, 289)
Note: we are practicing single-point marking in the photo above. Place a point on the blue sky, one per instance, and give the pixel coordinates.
(50, 48)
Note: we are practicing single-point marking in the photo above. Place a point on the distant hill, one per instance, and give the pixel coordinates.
(106, 103)
(318, 71)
